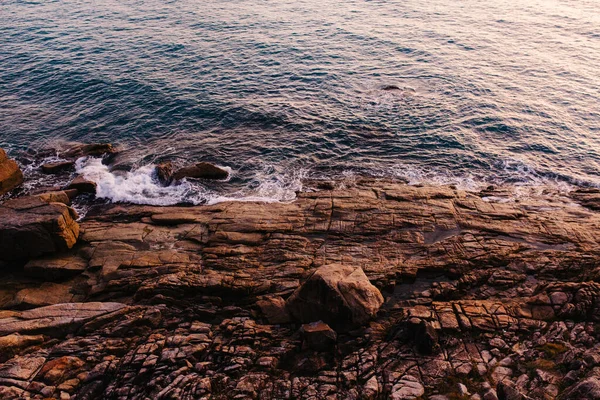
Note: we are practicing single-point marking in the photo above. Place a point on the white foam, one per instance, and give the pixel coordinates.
(140, 186)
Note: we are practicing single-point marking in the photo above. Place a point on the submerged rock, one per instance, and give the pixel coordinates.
(83, 185)
(31, 227)
(92, 149)
(340, 295)
(10, 174)
(58, 167)
(202, 170)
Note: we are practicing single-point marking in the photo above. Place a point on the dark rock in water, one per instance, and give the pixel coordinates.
(318, 336)
(10, 174)
(388, 88)
(164, 173)
(31, 227)
(57, 167)
(202, 170)
(340, 295)
(94, 149)
(83, 185)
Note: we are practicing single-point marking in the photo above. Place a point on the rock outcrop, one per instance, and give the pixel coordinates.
(202, 170)
(340, 295)
(482, 300)
(164, 173)
(31, 227)
(10, 174)
(57, 167)
(83, 185)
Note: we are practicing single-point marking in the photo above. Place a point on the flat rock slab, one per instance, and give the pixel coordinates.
(31, 227)
(55, 320)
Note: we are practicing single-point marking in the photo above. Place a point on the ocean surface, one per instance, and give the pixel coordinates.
(471, 92)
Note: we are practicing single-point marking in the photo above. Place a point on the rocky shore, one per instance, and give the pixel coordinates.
(378, 291)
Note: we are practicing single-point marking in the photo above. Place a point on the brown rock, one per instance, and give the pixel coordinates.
(55, 197)
(202, 170)
(337, 294)
(164, 173)
(273, 308)
(30, 227)
(12, 344)
(56, 267)
(10, 174)
(46, 294)
(93, 149)
(55, 320)
(22, 368)
(56, 370)
(83, 185)
(318, 336)
(57, 167)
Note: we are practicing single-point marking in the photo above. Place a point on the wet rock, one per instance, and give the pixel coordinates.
(164, 173)
(83, 185)
(93, 149)
(202, 170)
(30, 227)
(10, 174)
(58, 167)
(318, 336)
(337, 294)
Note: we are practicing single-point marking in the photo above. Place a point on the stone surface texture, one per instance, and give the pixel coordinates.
(480, 299)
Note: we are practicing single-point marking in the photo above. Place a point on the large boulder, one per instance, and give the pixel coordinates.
(31, 227)
(340, 295)
(202, 170)
(10, 174)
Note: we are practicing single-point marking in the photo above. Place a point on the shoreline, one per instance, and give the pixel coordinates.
(478, 297)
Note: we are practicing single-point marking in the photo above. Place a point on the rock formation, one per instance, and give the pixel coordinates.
(481, 299)
(10, 174)
(202, 170)
(31, 227)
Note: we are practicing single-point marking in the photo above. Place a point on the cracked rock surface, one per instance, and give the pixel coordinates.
(478, 300)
